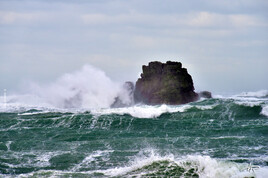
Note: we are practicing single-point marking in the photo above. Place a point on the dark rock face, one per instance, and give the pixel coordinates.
(205, 94)
(164, 83)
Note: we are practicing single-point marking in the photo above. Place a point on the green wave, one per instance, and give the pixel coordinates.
(60, 143)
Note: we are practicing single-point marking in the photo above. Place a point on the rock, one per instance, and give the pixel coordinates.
(164, 83)
(125, 97)
(205, 94)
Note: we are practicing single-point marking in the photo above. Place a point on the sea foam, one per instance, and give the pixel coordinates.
(258, 94)
(147, 111)
(265, 110)
(142, 111)
(204, 166)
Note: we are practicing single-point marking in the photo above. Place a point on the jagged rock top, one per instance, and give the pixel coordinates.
(164, 83)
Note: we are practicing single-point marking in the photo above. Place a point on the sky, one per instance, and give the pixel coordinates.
(223, 44)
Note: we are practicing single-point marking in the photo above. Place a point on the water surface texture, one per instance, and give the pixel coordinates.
(219, 137)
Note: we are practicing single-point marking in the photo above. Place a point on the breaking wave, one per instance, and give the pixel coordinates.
(234, 107)
(86, 88)
(258, 94)
(149, 163)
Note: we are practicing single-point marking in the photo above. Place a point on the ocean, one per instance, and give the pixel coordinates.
(218, 137)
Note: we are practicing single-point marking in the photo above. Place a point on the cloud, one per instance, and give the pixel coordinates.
(223, 21)
(9, 17)
(246, 20)
(119, 36)
(194, 19)
(129, 18)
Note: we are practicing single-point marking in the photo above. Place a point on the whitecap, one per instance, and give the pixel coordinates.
(265, 110)
(205, 166)
(258, 94)
(142, 111)
(249, 103)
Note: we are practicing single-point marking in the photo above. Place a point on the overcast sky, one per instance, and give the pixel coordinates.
(222, 43)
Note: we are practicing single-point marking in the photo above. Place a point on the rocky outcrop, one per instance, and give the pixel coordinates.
(205, 94)
(164, 83)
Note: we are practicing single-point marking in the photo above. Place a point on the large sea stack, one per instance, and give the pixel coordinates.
(164, 83)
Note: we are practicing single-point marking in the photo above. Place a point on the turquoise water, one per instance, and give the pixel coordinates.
(219, 137)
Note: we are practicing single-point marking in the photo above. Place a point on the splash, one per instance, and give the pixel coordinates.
(83, 89)
(265, 110)
(257, 94)
(147, 111)
(149, 163)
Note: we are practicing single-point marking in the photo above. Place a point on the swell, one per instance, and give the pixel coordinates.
(232, 123)
(73, 142)
(209, 111)
(150, 164)
(241, 108)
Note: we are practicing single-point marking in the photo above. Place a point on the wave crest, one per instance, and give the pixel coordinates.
(257, 94)
(149, 163)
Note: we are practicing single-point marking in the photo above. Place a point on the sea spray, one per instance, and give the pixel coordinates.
(149, 163)
(257, 94)
(85, 88)
(265, 110)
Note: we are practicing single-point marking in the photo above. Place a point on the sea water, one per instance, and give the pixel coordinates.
(218, 137)
(66, 129)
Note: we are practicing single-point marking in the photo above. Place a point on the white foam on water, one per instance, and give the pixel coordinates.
(258, 94)
(147, 111)
(23, 102)
(91, 158)
(206, 107)
(33, 113)
(265, 110)
(139, 162)
(249, 103)
(8, 145)
(206, 166)
(231, 137)
(219, 96)
(261, 95)
(42, 159)
(251, 99)
(139, 111)
(142, 111)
